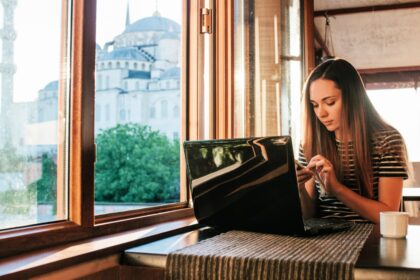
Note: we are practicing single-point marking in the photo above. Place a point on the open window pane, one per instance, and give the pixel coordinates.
(137, 104)
(267, 67)
(33, 120)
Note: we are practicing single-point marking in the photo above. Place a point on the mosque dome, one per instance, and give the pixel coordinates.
(170, 35)
(153, 23)
(51, 86)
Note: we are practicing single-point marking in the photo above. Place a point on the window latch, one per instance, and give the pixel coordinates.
(206, 20)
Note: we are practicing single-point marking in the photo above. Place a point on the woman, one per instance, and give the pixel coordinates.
(358, 159)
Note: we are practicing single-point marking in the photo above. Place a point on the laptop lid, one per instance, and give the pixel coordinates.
(247, 183)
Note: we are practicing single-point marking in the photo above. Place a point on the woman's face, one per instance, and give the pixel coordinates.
(327, 104)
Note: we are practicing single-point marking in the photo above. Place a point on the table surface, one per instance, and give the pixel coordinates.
(378, 253)
(391, 253)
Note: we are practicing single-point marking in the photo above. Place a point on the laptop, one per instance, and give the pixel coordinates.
(249, 184)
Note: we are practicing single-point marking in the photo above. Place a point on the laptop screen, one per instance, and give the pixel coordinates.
(247, 183)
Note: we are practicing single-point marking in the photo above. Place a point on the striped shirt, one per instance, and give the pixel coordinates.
(388, 160)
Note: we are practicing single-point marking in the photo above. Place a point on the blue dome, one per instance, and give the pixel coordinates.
(172, 73)
(154, 23)
(51, 86)
(124, 53)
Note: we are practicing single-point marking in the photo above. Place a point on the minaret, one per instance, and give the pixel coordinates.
(156, 13)
(127, 16)
(7, 70)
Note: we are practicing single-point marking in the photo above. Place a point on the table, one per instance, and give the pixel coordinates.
(380, 258)
(389, 258)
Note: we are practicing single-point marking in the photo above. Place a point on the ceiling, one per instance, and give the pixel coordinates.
(373, 37)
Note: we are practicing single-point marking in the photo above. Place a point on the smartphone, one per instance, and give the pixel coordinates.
(323, 192)
(299, 165)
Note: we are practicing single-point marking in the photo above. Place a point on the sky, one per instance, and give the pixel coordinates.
(37, 45)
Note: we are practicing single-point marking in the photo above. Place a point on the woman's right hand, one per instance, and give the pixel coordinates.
(303, 175)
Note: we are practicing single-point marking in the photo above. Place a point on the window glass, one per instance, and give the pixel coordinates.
(33, 91)
(399, 107)
(267, 67)
(137, 163)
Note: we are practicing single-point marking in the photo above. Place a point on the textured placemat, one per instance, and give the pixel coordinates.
(250, 255)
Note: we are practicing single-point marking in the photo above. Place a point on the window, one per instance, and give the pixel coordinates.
(122, 115)
(33, 189)
(98, 113)
(71, 216)
(132, 171)
(152, 112)
(267, 72)
(99, 82)
(175, 112)
(107, 82)
(107, 112)
(164, 109)
(405, 119)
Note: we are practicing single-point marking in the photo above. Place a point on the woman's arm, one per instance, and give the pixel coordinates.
(390, 189)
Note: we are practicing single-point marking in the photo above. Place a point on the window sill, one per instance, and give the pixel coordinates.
(49, 259)
(18, 241)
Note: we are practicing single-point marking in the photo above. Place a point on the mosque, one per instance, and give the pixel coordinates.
(137, 81)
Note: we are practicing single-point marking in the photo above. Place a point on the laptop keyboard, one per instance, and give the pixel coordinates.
(319, 224)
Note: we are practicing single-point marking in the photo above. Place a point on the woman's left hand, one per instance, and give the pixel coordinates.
(326, 172)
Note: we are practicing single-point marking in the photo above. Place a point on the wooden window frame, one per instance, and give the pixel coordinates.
(82, 222)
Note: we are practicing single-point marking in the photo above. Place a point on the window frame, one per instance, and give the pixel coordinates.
(82, 222)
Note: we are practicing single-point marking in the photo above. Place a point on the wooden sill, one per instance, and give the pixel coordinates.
(13, 242)
(42, 261)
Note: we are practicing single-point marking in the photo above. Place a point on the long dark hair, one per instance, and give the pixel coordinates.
(360, 120)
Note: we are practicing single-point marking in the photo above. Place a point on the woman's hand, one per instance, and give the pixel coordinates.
(303, 174)
(325, 170)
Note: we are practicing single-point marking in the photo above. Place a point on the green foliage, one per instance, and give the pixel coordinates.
(46, 186)
(16, 202)
(136, 164)
(10, 161)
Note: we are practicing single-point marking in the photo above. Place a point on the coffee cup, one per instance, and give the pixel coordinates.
(393, 224)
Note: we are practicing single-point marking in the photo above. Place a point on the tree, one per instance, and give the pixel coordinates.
(46, 186)
(136, 164)
(10, 161)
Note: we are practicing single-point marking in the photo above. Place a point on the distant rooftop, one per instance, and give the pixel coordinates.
(128, 53)
(172, 73)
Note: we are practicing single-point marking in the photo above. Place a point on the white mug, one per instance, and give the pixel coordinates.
(393, 224)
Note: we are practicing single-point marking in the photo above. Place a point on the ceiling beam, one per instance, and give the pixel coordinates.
(377, 8)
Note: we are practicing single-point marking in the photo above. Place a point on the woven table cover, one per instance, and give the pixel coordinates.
(251, 255)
